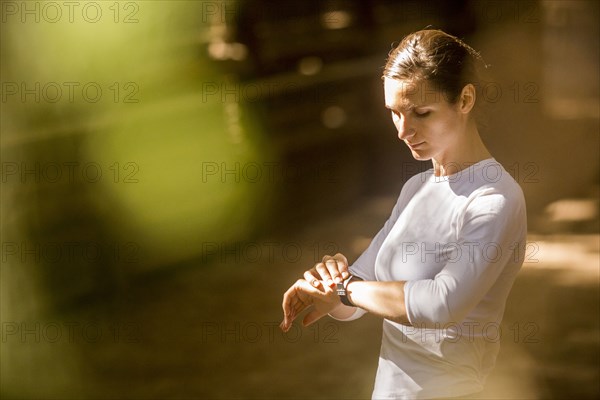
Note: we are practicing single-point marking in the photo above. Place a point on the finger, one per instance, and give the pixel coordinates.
(298, 306)
(313, 277)
(302, 286)
(290, 303)
(332, 266)
(293, 303)
(286, 305)
(342, 265)
(287, 298)
(312, 317)
(324, 273)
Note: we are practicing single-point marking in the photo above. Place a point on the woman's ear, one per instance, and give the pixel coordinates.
(467, 99)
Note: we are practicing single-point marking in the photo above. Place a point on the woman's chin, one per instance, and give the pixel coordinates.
(420, 156)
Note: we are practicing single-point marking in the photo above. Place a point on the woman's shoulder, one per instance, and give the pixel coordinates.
(494, 190)
(488, 188)
(487, 176)
(492, 177)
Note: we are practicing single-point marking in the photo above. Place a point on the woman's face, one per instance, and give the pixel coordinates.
(428, 124)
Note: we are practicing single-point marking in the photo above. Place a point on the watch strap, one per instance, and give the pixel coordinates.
(341, 291)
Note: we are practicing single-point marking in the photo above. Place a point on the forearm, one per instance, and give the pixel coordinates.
(385, 299)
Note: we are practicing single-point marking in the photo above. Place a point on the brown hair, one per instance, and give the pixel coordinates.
(438, 58)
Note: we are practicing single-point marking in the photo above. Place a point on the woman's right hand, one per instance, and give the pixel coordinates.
(331, 270)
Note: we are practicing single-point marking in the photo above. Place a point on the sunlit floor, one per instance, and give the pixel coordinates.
(211, 331)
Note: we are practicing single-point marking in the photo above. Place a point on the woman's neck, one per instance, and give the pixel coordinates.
(467, 152)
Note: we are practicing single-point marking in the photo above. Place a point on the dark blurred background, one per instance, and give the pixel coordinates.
(169, 168)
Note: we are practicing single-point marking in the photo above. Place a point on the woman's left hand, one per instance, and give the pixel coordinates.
(302, 295)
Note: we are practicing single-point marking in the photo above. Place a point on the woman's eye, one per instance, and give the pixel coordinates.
(422, 114)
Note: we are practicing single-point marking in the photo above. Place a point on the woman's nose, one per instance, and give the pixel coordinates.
(404, 130)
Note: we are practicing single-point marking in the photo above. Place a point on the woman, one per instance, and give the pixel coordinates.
(441, 268)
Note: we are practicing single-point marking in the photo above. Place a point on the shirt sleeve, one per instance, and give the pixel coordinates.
(358, 312)
(492, 226)
(364, 266)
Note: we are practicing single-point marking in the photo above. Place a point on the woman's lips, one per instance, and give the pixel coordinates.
(412, 146)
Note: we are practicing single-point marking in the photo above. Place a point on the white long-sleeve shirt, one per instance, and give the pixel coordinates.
(458, 241)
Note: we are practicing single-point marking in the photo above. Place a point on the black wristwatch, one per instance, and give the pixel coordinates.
(341, 291)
